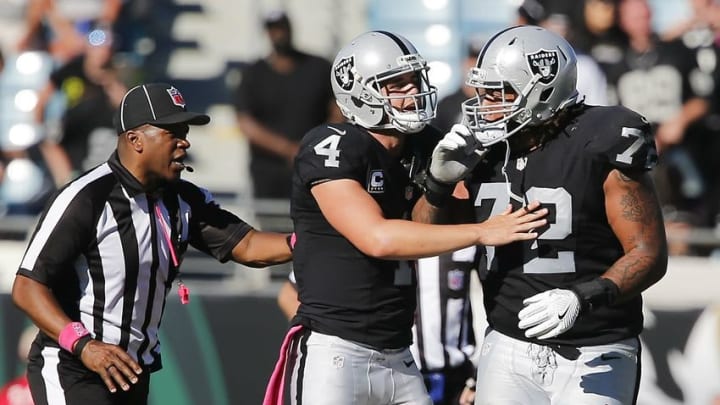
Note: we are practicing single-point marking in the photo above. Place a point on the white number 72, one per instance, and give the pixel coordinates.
(557, 230)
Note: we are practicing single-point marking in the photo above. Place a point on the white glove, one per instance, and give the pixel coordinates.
(455, 155)
(549, 313)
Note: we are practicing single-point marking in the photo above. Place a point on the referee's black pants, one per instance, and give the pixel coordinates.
(58, 378)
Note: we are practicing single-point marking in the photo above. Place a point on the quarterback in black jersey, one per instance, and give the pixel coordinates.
(564, 310)
(354, 189)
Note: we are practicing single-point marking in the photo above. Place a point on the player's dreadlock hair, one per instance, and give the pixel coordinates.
(540, 135)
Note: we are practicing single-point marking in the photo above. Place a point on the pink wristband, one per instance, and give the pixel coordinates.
(70, 334)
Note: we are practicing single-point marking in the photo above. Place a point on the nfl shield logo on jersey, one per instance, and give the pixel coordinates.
(544, 63)
(342, 72)
(176, 97)
(520, 163)
(456, 280)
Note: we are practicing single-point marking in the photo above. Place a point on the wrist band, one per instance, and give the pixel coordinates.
(70, 334)
(436, 192)
(598, 292)
(80, 345)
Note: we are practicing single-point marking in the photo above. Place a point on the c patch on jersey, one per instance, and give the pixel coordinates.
(544, 63)
(376, 183)
(342, 72)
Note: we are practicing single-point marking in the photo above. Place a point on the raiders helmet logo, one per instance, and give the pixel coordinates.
(176, 97)
(342, 72)
(544, 63)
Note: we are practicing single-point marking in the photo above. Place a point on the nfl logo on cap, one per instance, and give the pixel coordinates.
(176, 97)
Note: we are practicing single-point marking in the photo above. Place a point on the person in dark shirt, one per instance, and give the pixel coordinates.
(354, 187)
(564, 310)
(660, 80)
(448, 112)
(280, 98)
(91, 91)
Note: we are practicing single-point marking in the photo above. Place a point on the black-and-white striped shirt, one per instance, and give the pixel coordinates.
(443, 335)
(101, 248)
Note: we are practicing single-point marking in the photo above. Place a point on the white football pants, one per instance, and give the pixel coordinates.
(331, 371)
(515, 372)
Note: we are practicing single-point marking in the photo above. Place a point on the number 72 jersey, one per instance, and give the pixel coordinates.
(566, 175)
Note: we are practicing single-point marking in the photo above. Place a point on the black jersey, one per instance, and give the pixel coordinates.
(566, 175)
(342, 291)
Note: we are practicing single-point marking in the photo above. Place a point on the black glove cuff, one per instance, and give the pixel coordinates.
(437, 193)
(598, 292)
(80, 345)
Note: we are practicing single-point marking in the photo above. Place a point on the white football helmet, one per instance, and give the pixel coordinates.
(359, 72)
(538, 65)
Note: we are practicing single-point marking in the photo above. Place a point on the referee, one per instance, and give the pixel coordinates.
(443, 336)
(107, 251)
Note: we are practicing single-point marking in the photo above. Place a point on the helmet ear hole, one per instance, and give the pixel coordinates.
(356, 102)
(545, 95)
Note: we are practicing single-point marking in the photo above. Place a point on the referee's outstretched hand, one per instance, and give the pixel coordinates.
(113, 364)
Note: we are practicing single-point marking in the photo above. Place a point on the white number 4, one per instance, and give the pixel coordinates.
(627, 156)
(329, 147)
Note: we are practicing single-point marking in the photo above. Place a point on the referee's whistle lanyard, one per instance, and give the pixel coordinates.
(183, 291)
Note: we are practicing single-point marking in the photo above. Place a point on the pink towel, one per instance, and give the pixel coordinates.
(276, 386)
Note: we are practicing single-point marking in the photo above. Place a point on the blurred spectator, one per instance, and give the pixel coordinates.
(591, 82)
(280, 98)
(448, 109)
(91, 92)
(700, 25)
(653, 79)
(700, 33)
(60, 26)
(17, 391)
(3, 160)
(596, 32)
(26, 161)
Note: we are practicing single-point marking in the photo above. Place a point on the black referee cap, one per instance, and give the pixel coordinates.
(155, 104)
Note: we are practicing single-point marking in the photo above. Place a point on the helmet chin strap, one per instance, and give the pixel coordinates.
(512, 195)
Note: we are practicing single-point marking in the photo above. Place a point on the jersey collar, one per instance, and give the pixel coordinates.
(128, 181)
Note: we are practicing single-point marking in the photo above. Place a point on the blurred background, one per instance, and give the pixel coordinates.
(66, 64)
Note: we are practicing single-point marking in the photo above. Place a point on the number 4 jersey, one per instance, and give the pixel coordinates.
(566, 175)
(344, 292)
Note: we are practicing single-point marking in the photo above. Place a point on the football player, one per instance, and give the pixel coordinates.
(564, 310)
(354, 187)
